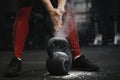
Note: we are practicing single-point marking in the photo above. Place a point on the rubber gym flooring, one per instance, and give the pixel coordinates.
(107, 57)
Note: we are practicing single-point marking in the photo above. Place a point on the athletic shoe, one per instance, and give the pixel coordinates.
(14, 68)
(82, 64)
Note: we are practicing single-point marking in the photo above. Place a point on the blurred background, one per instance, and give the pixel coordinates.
(98, 23)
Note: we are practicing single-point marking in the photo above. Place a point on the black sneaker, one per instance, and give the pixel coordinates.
(82, 64)
(14, 68)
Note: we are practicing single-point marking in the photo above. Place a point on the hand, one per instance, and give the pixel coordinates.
(56, 17)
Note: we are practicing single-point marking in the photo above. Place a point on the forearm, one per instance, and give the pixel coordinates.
(61, 4)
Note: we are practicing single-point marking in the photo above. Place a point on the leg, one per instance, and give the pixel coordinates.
(72, 35)
(20, 31)
(79, 61)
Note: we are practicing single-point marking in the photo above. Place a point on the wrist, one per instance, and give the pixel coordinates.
(62, 10)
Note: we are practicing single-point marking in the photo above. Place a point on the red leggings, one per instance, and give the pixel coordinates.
(21, 29)
(72, 34)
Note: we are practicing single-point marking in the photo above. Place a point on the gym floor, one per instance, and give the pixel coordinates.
(107, 58)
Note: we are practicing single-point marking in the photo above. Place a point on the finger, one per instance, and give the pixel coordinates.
(56, 27)
(54, 23)
(57, 23)
(60, 20)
